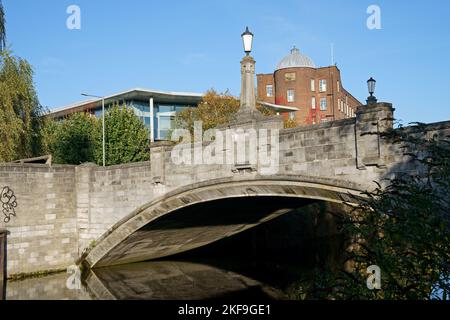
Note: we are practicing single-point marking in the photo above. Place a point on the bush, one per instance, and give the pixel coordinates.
(127, 138)
(72, 141)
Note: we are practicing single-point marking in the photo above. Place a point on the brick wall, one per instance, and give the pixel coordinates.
(301, 85)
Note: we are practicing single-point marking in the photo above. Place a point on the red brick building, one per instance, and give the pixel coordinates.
(317, 93)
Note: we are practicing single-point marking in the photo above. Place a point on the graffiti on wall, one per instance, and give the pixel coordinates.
(9, 204)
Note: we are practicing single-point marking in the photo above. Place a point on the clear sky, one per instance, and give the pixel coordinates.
(194, 45)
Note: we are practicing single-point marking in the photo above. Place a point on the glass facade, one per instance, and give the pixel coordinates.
(163, 116)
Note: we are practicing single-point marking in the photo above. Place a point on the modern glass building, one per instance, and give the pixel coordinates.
(157, 109)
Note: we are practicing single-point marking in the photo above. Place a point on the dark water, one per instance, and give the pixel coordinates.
(268, 262)
(162, 280)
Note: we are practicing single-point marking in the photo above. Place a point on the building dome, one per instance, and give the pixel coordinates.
(296, 60)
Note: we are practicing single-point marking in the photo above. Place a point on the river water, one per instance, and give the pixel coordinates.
(271, 261)
(165, 280)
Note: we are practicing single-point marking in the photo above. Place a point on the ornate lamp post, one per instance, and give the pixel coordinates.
(248, 100)
(371, 83)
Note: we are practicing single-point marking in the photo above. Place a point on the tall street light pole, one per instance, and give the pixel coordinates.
(103, 124)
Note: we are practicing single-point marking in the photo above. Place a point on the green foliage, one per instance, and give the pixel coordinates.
(72, 141)
(403, 228)
(78, 139)
(289, 123)
(127, 138)
(214, 110)
(20, 112)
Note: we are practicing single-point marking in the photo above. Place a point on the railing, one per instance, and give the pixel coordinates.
(3, 234)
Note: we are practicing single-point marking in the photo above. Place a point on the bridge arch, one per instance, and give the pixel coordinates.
(132, 239)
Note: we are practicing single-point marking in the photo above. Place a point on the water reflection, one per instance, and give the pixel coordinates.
(169, 280)
(51, 287)
(162, 280)
(280, 254)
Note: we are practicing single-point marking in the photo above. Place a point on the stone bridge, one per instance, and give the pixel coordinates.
(135, 212)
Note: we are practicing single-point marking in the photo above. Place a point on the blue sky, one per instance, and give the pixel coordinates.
(195, 45)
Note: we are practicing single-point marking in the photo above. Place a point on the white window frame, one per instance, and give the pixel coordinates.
(326, 104)
(313, 103)
(313, 85)
(290, 98)
(271, 90)
(170, 114)
(323, 85)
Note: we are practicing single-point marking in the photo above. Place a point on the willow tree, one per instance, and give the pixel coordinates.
(20, 111)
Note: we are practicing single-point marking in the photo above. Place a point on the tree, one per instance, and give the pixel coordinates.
(72, 141)
(78, 138)
(2, 28)
(404, 229)
(215, 109)
(290, 123)
(126, 136)
(20, 112)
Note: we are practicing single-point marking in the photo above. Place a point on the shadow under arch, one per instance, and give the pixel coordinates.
(202, 213)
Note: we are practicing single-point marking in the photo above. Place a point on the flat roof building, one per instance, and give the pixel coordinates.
(156, 109)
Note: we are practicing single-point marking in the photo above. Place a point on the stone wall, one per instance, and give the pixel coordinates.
(106, 195)
(43, 234)
(62, 209)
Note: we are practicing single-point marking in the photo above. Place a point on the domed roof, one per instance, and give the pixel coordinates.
(295, 60)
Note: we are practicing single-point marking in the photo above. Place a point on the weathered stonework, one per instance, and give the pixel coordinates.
(43, 234)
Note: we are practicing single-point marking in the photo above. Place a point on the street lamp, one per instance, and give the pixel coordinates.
(247, 38)
(371, 83)
(103, 124)
(248, 100)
